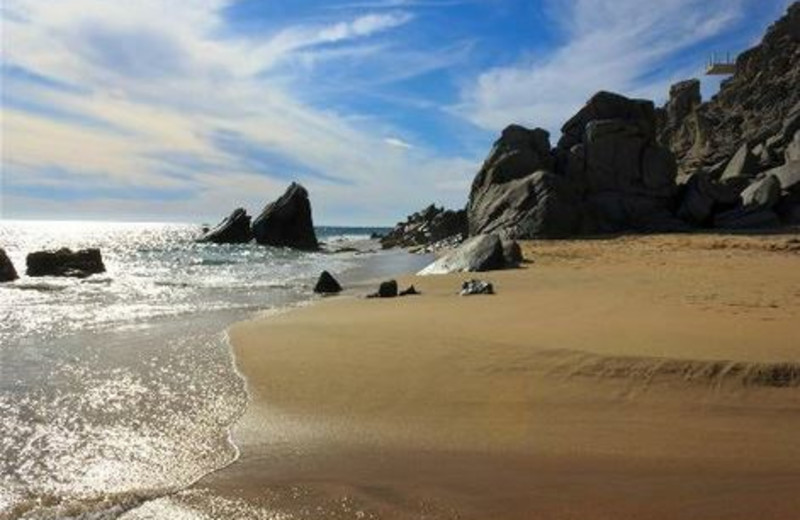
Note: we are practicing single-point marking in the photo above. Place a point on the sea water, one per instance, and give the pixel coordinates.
(119, 388)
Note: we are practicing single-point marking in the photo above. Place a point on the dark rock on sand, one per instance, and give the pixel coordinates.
(386, 289)
(7, 271)
(480, 253)
(512, 253)
(234, 229)
(65, 262)
(410, 291)
(472, 287)
(743, 218)
(287, 222)
(327, 284)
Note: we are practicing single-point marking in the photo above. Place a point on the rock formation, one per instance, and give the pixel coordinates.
(287, 222)
(426, 227)
(607, 174)
(65, 262)
(7, 271)
(234, 229)
(616, 165)
(759, 106)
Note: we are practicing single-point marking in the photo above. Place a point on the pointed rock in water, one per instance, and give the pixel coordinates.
(65, 262)
(234, 229)
(287, 222)
(7, 271)
(327, 284)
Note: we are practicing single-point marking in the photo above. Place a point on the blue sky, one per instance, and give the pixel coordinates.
(185, 109)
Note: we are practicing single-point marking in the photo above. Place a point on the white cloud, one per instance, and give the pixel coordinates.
(163, 81)
(610, 45)
(397, 143)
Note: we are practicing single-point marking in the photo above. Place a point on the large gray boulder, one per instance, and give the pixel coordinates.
(480, 253)
(7, 271)
(702, 196)
(65, 262)
(234, 229)
(540, 205)
(287, 222)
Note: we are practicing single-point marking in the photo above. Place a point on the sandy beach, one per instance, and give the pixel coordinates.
(634, 377)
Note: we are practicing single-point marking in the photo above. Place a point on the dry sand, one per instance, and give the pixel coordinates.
(636, 377)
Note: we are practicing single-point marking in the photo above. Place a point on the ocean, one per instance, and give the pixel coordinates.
(121, 388)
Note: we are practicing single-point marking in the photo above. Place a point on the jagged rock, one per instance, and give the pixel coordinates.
(743, 218)
(517, 153)
(512, 253)
(541, 205)
(684, 97)
(234, 229)
(65, 262)
(386, 289)
(608, 105)
(480, 253)
(754, 105)
(742, 164)
(427, 227)
(327, 284)
(7, 271)
(472, 287)
(762, 194)
(287, 222)
(788, 175)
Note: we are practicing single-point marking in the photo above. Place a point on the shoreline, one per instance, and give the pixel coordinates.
(670, 401)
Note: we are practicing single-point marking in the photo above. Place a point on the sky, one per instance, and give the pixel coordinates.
(182, 110)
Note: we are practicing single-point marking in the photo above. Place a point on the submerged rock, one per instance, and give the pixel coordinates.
(287, 221)
(234, 229)
(65, 262)
(480, 253)
(327, 284)
(7, 271)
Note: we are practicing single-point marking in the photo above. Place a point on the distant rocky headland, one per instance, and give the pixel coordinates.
(625, 165)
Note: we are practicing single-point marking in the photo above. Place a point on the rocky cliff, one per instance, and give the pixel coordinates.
(759, 107)
(622, 164)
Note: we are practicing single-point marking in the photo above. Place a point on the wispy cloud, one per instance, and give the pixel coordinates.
(608, 45)
(196, 108)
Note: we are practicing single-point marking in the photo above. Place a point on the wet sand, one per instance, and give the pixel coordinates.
(645, 377)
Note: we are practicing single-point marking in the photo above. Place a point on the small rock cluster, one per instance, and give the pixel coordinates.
(429, 228)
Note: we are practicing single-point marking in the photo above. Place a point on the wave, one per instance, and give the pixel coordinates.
(646, 371)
